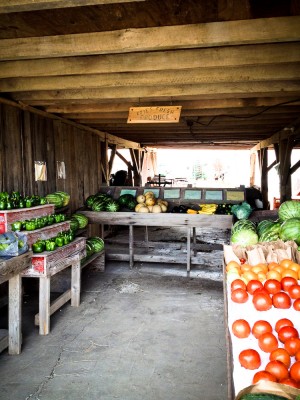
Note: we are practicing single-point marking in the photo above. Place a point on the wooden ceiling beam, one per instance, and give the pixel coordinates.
(12, 6)
(251, 105)
(265, 73)
(228, 56)
(167, 92)
(213, 34)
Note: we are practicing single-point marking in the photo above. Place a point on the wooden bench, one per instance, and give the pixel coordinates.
(47, 264)
(10, 270)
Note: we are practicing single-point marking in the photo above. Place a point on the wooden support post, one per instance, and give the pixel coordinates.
(44, 305)
(264, 177)
(15, 315)
(131, 256)
(188, 249)
(147, 237)
(75, 283)
(194, 240)
(285, 150)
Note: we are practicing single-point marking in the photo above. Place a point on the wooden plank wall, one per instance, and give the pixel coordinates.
(26, 137)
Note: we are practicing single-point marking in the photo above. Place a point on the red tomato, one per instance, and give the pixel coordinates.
(294, 292)
(295, 371)
(241, 328)
(263, 376)
(287, 282)
(239, 296)
(238, 284)
(260, 327)
(262, 301)
(296, 305)
(297, 356)
(292, 345)
(278, 369)
(249, 359)
(281, 300)
(261, 290)
(282, 355)
(286, 333)
(242, 261)
(253, 285)
(290, 382)
(267, 342)
(283, 322)
(272, 286)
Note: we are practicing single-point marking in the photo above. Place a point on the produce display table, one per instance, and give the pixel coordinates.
(44, 266)
(131, 219)
(10, 270)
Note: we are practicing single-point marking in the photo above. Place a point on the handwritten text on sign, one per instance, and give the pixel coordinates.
(150, 115)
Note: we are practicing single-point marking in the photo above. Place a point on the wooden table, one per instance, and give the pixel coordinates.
(190, 221)
(44, 266)
(10, 270)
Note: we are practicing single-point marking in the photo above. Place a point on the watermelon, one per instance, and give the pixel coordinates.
(243, 224)
(74, 224)
(124, 199)
(131, 204)
(112, 206)
(82, 220)
(97, 243)
(263, 225)
(99, 205)
(90, 200)
(289, 209)
(66, 197)
(290, 230)
(270, 232)
(56, 199)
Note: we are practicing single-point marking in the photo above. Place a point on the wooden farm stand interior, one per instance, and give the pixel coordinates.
(81, 80)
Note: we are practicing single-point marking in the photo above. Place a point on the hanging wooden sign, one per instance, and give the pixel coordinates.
(152, 115)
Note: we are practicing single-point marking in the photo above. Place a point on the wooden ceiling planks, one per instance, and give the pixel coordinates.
(91, 63)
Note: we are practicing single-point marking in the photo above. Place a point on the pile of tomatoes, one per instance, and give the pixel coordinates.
(266, 285)
(266, 301)
(282, 343)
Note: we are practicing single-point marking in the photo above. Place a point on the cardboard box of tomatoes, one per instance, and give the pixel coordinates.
(263, 320)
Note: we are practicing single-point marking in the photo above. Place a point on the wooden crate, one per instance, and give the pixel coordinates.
(7, 217)
(46, 233)
(49, 262)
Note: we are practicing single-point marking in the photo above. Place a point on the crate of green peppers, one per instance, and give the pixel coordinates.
(51, 244)
(8, 217)
(38, 222)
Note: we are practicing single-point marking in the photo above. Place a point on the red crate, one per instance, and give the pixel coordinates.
(7, 217)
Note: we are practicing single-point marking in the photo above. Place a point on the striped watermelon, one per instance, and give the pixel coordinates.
(56, 199)
(289, 209)
(82, 220)
(290, 230)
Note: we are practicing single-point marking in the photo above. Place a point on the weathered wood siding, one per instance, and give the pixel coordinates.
(26, 137)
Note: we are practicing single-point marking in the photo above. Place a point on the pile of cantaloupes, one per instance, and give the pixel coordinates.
(147, 203)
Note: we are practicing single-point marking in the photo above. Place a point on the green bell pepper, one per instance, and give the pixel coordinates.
(59, 241)
(3, 204)
(50, 219)
(30, 225)
(16, 226)
(50, 245)
(57, 218)
(43, 201)
(21, 203)
(9, 205)
(38, 247)
(28, 203)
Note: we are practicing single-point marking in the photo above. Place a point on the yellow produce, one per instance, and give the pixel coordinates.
(156, 209)
(150, 201)
(141, 198)
(191, 211)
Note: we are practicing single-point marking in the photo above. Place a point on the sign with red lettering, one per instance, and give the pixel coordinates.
(154, 115)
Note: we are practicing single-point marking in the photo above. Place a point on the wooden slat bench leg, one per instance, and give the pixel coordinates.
(59, 302)
(44, 305)
(188, 249)
(75, 283)
(15, 315)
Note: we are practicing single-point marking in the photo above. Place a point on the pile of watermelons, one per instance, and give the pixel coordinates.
(104, 202)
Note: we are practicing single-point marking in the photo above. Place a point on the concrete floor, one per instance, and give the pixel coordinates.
(150, 333)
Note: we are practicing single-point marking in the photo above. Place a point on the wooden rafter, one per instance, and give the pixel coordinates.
(214, 34)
